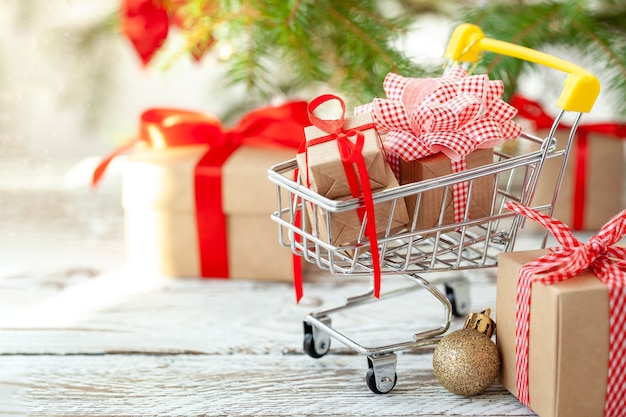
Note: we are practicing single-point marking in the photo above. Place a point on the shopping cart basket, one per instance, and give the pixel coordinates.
(469, 244)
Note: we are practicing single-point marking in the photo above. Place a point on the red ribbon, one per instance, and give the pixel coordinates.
(161, 128)
(608, 263)
(350, 146)
(533, 111)
(146, 24)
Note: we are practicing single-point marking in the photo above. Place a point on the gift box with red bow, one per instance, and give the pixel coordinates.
(593, 183)
(326, 175)
(438, 126)
(196, 196)
(332, 148)
(561, 333)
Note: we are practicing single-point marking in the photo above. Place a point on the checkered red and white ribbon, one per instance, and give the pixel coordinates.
(455, 114)
(608, 263)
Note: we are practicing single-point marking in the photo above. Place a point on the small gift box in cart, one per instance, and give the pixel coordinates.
(468, 239)
(321, 170)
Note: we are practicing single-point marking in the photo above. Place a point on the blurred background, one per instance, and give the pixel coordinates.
(72, 86)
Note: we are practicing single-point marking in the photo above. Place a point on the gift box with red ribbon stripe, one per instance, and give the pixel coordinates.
(346, 152)
(593, 183)
(561, 330)
(349, 152)
(196, 196)
(326, 171)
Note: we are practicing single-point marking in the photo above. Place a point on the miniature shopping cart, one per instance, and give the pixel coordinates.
(415, 252)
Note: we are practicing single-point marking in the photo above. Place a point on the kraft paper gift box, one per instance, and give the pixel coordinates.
(427, 122)
(432, 201)
(602, 184)
(592, 190)
(326, 176)
(161, 229)
(346, 226)
(324, 163)
(569, 340)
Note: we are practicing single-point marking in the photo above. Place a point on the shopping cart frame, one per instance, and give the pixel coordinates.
(469, 244)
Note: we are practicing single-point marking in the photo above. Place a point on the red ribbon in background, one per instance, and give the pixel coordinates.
(358, 178)
(533, 111)
(146, 24)
(160, 128)
(608, 263)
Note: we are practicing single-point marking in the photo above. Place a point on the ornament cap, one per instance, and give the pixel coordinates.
(481, 322)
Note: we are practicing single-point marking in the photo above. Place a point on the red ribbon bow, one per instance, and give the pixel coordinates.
(146, 24)
(608, 263)
(160, 128)
(358, 178)
(531, 110)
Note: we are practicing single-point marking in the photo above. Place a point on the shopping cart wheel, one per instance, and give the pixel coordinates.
(381, 376)
(316, 343)
(457, 292)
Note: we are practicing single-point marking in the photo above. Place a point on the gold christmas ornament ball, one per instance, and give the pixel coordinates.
(466, 362)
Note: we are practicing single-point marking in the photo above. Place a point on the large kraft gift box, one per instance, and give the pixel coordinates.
(161, 218)
(322, 162)
(569, 340)
(196, 195)
(593, 184)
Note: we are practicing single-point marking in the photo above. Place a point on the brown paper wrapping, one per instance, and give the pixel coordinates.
(326, 176)
(569, 340)
(604, 186)
(159, 202)
(346, 226)
(432, 202)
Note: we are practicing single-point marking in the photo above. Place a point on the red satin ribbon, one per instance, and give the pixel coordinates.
(350, 146)
(146, 24)
(533, 111)
(161, 128)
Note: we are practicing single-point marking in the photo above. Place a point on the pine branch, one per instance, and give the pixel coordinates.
(285, 45)
(595, 32)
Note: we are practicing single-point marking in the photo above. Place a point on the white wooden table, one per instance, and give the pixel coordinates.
(81, 336)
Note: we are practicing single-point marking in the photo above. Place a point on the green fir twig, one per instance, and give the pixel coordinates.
(590, 29)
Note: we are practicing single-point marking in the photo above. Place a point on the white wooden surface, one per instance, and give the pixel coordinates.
(105, 345)
(81, 336)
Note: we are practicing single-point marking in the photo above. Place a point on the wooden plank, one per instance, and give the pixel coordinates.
(75, 341)
(122, 313)
(237, 385)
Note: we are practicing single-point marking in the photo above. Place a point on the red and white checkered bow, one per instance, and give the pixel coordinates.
(454, 114)
(608, 263)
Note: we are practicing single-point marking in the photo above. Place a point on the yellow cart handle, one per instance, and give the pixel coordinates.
(581, 88)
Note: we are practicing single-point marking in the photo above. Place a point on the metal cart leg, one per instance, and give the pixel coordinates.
(458, 293)
(316, 342)
(381, 376)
